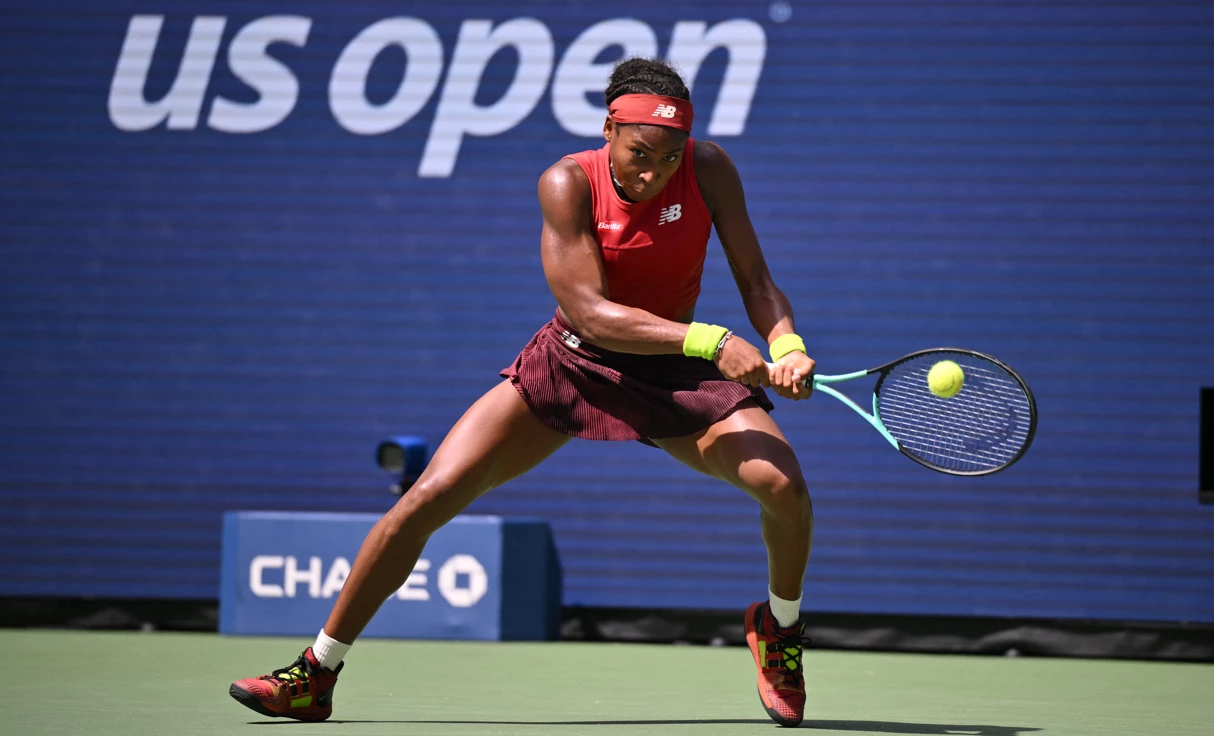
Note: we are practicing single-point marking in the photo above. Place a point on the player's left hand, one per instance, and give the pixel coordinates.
(788, 377)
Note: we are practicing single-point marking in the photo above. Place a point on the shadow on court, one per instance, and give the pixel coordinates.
(937, 728)
(860, 726)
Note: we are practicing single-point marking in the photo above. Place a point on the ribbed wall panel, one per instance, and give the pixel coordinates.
(195, 321)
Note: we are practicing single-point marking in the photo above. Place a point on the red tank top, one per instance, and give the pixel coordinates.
(653, 251)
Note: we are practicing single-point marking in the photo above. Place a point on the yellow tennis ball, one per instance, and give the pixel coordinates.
(945, 379)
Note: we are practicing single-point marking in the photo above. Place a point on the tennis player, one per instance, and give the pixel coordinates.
(623, 244)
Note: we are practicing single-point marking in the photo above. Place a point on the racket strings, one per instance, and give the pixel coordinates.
(984, 426)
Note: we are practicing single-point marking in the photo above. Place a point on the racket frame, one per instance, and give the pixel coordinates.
(822, 383)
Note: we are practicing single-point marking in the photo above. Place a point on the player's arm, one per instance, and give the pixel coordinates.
(766, 306)
(575, 272)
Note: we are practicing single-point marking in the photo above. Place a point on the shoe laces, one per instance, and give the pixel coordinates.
(790, 643)
(298, 670)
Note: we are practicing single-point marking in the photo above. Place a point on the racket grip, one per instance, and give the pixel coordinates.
(807, 383)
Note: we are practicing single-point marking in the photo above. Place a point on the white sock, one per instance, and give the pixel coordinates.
(329, 651)
(785, 612)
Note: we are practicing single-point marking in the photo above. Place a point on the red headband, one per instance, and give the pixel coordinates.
(652, 110)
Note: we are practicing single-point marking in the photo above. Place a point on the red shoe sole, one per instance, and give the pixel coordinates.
(252, 702)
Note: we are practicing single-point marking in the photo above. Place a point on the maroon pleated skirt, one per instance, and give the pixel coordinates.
(585, 391)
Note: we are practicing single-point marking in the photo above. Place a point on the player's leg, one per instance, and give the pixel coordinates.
(748, 450)
(497, 439)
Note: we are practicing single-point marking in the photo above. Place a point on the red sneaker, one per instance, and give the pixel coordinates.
(777, 654)
(303, 690)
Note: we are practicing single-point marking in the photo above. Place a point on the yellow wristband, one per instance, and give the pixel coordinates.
(702, 340)
(785, 344)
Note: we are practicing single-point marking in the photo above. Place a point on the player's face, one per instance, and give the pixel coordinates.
(644, 157)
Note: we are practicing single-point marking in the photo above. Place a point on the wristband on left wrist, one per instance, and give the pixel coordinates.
(785, 344)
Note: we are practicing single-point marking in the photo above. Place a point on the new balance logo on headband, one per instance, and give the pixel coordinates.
(670, 214)
(643, 108)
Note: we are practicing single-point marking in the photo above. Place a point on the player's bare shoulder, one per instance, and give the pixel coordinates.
(716, 174)
(709, 156)
(564, 182)
(565, 199)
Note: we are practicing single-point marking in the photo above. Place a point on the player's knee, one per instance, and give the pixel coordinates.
(424, 509)
(785, 497)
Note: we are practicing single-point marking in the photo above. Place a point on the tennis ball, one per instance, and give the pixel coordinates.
(945, 379)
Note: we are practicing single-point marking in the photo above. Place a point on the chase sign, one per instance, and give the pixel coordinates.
(480, 577)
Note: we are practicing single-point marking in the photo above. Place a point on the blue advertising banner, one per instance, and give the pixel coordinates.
(242, 242)
(479, 577)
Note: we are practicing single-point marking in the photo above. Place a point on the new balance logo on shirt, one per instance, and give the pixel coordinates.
(664, 111)
(670, 214)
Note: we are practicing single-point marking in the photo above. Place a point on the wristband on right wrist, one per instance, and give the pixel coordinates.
(702, 340)
(721, 345)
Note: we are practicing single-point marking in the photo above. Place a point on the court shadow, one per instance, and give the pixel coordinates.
(435, 722)
(942, 729)
(952, 729)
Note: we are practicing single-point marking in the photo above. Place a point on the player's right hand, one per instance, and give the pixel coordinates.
(742, 362)
(789, 374)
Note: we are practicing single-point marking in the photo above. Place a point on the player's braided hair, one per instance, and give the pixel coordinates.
(640, 76)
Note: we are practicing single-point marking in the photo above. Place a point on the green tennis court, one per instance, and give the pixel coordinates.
(64, 682)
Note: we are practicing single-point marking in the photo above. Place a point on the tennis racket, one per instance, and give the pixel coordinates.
(985, 427)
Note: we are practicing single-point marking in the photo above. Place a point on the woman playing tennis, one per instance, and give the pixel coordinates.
(624, 239)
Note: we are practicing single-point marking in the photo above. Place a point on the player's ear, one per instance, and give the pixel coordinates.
(608, 127)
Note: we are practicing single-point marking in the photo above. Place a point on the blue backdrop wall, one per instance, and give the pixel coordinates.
(243, 241)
